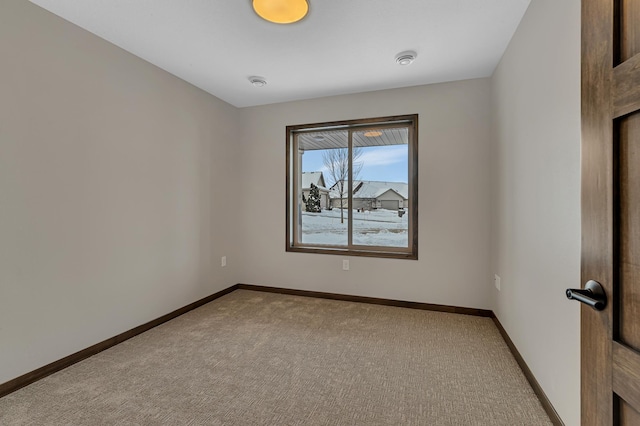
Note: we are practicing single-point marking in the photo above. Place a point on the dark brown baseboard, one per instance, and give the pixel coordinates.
(33, 376)
(537, 389)
(42, 372)
(370, 300)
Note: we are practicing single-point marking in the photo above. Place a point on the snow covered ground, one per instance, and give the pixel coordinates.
(373, 228)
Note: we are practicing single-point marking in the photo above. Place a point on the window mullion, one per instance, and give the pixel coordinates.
(350, 192)
(297, 213)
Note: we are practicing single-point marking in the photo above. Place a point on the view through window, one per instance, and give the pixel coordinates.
(352, 187)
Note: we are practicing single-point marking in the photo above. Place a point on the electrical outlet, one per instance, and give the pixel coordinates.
(496, 281)
(345, 265)
(223, 261)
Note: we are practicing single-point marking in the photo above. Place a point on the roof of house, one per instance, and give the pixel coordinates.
(374, 189)
(313, 177)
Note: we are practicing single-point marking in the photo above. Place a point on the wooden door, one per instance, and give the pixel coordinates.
(610, 360)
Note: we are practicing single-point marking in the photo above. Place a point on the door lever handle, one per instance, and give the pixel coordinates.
(592, 295)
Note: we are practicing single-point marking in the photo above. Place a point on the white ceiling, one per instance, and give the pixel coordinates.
(342, 46)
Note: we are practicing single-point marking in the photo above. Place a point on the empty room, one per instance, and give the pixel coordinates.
(305, 212)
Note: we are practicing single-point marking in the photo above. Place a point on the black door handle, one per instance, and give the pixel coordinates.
(592, 295)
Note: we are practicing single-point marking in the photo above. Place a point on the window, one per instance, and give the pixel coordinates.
(352, 187)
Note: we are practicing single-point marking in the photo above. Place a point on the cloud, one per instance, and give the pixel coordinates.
(384, 156)
(385, 163)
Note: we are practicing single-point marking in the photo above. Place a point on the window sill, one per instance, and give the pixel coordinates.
(361, 253)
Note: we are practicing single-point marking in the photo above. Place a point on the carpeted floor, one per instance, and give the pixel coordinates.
(253, 358)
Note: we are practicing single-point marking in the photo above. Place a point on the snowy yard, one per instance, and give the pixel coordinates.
(373, 228)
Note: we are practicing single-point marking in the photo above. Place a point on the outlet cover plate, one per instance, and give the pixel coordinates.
(345, 265)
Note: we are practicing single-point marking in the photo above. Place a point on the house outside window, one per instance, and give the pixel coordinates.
(352, 187)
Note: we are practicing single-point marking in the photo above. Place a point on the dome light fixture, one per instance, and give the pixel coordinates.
(257, 81)
(406, 58)
(281, 11)
(372, 133)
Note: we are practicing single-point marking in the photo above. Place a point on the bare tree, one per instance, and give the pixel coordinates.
(337, 163)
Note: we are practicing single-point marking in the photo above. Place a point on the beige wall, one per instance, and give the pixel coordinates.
(454, 198)
(110, 176)
(536, 151)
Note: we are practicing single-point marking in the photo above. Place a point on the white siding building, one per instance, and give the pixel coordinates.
(369, 195)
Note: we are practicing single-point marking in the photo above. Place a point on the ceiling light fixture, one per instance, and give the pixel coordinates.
(258, 81)
(281, 11)
(372, 133)
(406, 58)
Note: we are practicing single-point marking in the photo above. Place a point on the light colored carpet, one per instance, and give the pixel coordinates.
(253, 358)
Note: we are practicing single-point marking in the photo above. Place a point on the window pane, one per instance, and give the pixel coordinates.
(380, 187)
(323, 160)
(351, 187)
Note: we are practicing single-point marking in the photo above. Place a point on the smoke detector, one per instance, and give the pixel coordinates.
(257, 81)
(406, 58)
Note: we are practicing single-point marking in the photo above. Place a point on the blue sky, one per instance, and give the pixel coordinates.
(381, 163)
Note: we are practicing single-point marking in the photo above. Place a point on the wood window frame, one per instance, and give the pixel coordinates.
(292, 181)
